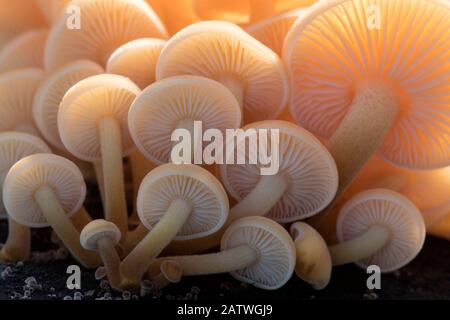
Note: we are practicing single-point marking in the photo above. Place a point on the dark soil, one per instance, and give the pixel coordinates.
(44, 277)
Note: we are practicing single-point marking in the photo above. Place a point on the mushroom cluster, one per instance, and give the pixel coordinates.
(101, 95)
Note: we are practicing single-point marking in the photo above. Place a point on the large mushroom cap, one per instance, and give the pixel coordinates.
(167, 104)
(226, 53)
(275, 251)
(24, 51)
(306, 164)
(49, 95)
(272, 31)
(137, 60)
(96, 230)
(105, 26)
(392, 211)
(86, 104)
(17, 89)
(191, 183)
(332, 51)
(34, 172)
(13, 147)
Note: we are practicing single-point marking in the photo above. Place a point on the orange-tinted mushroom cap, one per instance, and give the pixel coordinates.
(85, 104)
(226, 53)
(34, 172)
(306, 165)
(170, 103)
(207, 197)
(49, 95)
(137, 60)
(24, 51)
(389, 210)
(105, 26)
(17, 90)
(275, 251)
(341, 45)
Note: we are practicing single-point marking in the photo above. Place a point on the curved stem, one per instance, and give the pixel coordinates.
(137, 262)
(80, 219)
(111, 261)
(18, 244)
(226, 261)
(56, 217)
(113, 176)
(100, 179)
(369, 243)
(135, 236)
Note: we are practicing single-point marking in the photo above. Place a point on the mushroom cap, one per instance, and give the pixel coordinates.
(222, 51)
(49, 95)
(191, 183)
(306, 164)
(17, 89)
(392, 211)
(51, 9)
(272, 31)
(275, 250)
(164, 105)
(24, 51)
(86, 104)
(137, 60)
(105, 26)
(330, 52)
(96, 230)
(13, 147)
(34, 172)
(314, 262)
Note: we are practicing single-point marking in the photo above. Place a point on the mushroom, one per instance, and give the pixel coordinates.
(24, 51)
(52, 9)
(175, 14)
(108, 24)
(373, 82)
(244, 11)
(44, 190)
(272, 31)
(441, 228)
(303, 186)
(13, 147)
(255, 250)
(18, 16)
(102, 236)
(17, 89)
(378, 227)
(313, 258)
(224, 52)
(174, 202)
(92, 122)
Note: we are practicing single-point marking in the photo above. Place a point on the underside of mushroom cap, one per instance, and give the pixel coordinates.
(224, 52)
(17, 90)
(275, 251)
(390, 210)
(96, 230)
(24, 51)
(105, 26)
(304, 162)
(34, 172)
(137, 60)
(166, 183)
(166, 104)
(334, 49)
(13, 147)
(272, 31)
(51, 92)
(86, 104)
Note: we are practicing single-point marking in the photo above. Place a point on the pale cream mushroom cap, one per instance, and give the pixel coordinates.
(96, 230)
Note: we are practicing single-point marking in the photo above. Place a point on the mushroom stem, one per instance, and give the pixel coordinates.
(214, 263)
(372, 241)
(113, 176)
(135, 236)
(17, 246)
(111, 261)
(100, 179)
(80, 219)
(137, 262)
(235, 87)
(56, 217)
